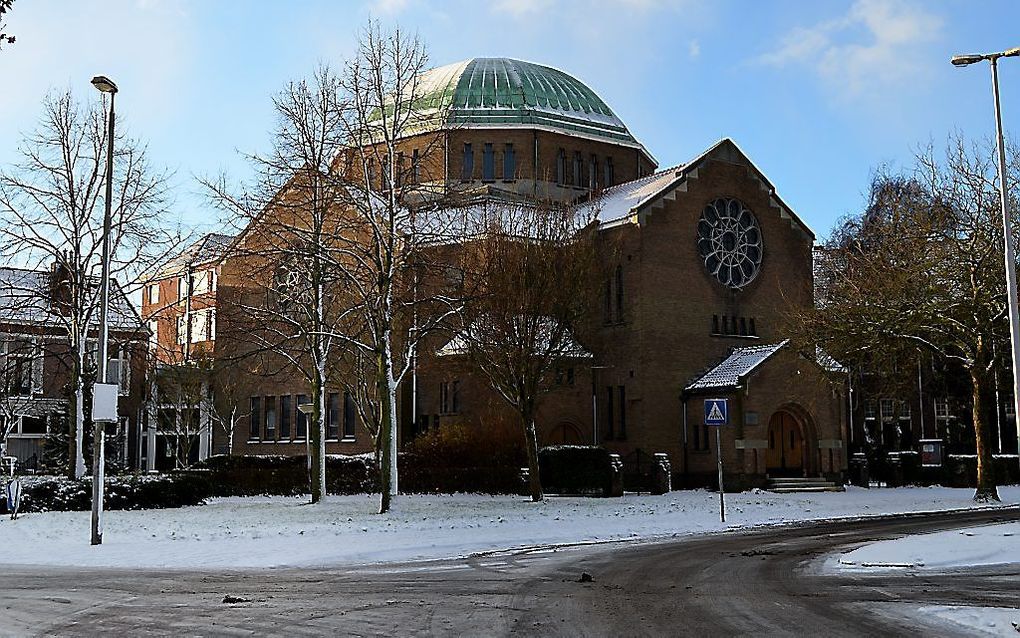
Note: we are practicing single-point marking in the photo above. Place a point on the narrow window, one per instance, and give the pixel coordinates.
(349, 416)
(271, 418)
(743, 326)
(444, 397)
(561, 166)
(725, 324)
(697, 437)
(302, 418)
(609, 412)
(753, 330)
(488, 163)
(578, 178)
(333, 422)
(398, 172)
(509, 163)
(715, 324)
(370, 178)
(619, 293)
(609, 177)
(285, 416)
(623, 411)
(386, 177)
(608, 306)
(468, 168)
(415, 167)
(593, 172)
(255, 417)
(455, 396)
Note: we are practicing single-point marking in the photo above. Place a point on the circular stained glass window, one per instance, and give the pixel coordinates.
(729, 242)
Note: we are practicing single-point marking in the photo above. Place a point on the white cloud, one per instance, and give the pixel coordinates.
(572, 8)
(520, 8)
(876, 44)
(390, 7)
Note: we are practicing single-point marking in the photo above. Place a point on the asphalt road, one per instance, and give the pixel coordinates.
(765, 582)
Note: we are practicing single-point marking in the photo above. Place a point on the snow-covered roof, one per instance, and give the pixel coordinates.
(737, 365)
(569, 348)
(207, 249)
(623, 202)
(25, 300)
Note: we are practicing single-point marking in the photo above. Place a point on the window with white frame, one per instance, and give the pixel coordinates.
(942, 408)
(870, 409)
(904, 410)
(154, 293)
(154, 334)
(119, 370)
(203, 325)
(204, 282)
(21, 365)
(182, 329)
(182, 288)
(887, 407)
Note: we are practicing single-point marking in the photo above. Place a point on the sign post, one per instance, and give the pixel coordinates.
(717, 415)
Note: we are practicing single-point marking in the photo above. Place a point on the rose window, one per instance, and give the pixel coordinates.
(729, 242)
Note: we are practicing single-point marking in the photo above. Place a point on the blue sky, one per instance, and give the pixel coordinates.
(817, 93)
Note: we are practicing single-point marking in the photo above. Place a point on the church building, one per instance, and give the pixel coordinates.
(709, 263)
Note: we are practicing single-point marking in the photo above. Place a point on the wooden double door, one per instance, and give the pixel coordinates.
(786, 446)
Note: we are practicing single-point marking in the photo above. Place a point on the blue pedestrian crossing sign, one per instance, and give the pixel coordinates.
(716, 411)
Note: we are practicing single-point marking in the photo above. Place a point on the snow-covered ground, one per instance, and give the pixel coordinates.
(284, 531)
(954, 549)
(991, 621)
(975, 546)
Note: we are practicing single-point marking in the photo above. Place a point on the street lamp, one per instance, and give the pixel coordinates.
(105, 85)
(1014, 320)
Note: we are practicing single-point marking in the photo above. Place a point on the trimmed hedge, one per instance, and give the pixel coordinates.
(288, 476)
(576, 469)
(126, 492)
(285, 475)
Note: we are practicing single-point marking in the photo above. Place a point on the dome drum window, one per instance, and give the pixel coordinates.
(729, 242)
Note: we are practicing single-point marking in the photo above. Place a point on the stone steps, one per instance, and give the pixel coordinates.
(790, 485)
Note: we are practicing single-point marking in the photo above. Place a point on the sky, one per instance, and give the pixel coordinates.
(818, 93)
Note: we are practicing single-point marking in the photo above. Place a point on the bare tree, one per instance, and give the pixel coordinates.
(5, 8)
(51, 217)
(181, 394)
(921, 269)
(537, 273)
(393, 214)
(287, 313)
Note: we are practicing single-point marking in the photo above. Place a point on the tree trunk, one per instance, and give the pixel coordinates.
(386, 444)
(317, 442)
(76, 423)
(531, 440)
(986, 490)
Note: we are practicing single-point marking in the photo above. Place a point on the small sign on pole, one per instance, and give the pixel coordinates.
(717, 415)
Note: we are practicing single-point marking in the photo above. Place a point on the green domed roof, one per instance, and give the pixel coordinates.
(502, 92)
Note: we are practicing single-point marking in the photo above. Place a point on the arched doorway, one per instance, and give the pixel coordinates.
(564, 433)
(786, 446)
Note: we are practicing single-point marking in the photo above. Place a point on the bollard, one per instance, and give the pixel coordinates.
(661, 474)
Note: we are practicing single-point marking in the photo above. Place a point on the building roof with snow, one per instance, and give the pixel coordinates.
(629, 201)
(25, 299)
(208, 249)
(735, 367)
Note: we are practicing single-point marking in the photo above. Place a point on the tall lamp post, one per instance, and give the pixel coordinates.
(1014, 320)
(105, 85)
